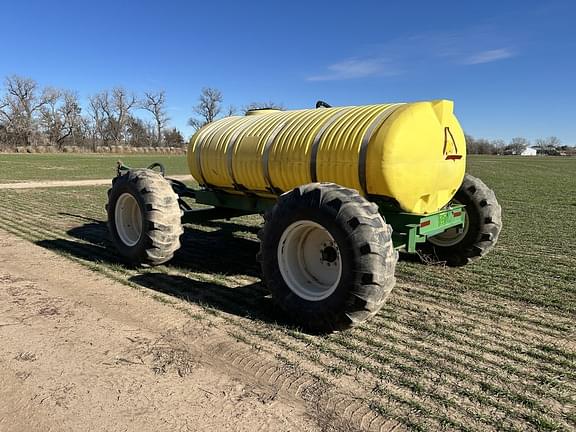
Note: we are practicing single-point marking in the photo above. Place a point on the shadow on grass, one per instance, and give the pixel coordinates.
(248, 301)
(217, 252)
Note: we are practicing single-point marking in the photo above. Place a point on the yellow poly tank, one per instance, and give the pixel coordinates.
(411, 153)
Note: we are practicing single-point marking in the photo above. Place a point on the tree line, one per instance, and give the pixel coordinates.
(547, 146)
(32, 116)
(210, 107)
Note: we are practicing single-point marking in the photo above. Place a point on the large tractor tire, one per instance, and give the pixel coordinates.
(483, 222)
(327, 257)
(144, 217)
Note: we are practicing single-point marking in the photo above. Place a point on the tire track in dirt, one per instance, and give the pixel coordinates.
(151, 339)
(303, 385)
(20, 304)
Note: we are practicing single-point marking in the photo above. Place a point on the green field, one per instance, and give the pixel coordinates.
(490, 346)
(61, 166)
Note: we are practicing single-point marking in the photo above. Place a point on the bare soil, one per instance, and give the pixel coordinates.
(81, 352)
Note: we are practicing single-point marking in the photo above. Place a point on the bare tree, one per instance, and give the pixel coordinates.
(72, 114)
(553, 141)
(518, 145)
(483, 146)
(173, 138)
(113, 110)
(549, 146)
(61, 116)
(154, 103)
(21, 104)
(5, 113)
(97, 117)
(231, 110)
(139, 132)
(50, 116)
(208, 108)
(497, 146)
(30, 115)
(121, 105)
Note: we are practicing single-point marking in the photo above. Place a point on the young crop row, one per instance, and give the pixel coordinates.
(466, 349)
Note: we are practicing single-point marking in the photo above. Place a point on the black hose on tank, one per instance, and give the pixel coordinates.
(322, 104)
(158, 165)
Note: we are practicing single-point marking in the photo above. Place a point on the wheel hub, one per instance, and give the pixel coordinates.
(128, 219)
(309, 260)
(329, 254)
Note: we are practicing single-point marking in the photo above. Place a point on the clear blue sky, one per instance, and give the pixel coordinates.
(510, 66)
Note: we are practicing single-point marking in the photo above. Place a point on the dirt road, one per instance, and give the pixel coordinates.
(81, 352)
(70, 183)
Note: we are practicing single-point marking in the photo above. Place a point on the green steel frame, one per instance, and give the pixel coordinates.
(408, 229)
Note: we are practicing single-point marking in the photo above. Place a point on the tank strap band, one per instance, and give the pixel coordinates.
(198, 150)
(316, 143)
(266, 155)
(376, 123)
(232, 147)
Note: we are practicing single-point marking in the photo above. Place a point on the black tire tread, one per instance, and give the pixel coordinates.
(488, 224)
(375, 257)
(161, 216)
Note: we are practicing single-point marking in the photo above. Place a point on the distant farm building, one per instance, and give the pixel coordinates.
(530, 151)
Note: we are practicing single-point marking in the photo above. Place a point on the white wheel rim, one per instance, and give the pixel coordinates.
(452, 236)
(128, 219)
(309, 260)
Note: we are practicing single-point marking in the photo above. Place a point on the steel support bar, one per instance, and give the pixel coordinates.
(197, 216)
(247, 203)
(410, 229)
